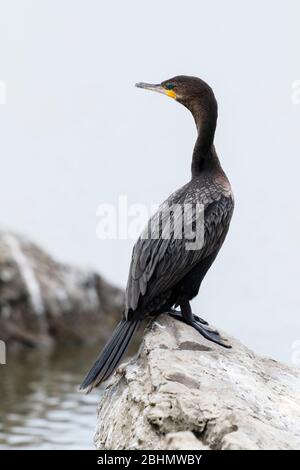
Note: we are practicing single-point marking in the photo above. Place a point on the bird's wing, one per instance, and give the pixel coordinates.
(157, 265)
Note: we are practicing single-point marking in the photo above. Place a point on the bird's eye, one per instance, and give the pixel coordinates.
(170, 86)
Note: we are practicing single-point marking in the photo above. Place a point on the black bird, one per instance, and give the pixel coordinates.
(164, 273)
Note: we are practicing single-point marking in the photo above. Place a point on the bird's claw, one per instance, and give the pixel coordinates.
(211, 335)
(177, 314)
(201, 326)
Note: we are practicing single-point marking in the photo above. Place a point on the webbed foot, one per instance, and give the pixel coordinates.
(176, 314)
(201, 326)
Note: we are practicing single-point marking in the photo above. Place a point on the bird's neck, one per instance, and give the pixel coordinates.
(204, 154)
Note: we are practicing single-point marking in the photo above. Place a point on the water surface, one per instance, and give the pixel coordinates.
(40, 406)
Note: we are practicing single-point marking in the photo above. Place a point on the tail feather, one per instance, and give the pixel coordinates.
(113, 362)
(111, 355)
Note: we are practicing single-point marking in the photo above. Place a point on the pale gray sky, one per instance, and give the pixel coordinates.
(76, 133)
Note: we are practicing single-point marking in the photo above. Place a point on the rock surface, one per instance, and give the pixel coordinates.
(182, 392)
(42, 300)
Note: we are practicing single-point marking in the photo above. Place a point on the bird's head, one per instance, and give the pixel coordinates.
(192, 92)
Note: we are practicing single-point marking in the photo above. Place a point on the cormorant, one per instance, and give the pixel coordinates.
(163, 273)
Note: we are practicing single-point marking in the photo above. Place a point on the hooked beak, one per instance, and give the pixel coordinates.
(157, 88)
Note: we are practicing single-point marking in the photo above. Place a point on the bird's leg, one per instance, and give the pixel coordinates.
(188, 318)
(175, 313)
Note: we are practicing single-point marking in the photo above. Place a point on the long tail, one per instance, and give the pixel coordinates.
(111, 355)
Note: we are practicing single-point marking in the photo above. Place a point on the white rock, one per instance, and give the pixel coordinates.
(43, 300)
(183, 392)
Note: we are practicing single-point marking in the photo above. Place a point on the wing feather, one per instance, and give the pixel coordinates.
(158, 264)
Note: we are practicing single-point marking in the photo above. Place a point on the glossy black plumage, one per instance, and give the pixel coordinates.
(158, 266)
(163, 273)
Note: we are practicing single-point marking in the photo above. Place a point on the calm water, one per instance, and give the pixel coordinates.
(40, 407)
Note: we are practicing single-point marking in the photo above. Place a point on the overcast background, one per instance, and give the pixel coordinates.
(76, 133)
